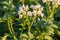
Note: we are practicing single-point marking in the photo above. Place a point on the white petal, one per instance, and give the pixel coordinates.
(29, 13)
(44, 1)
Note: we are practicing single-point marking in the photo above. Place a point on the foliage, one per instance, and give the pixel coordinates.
(29, 20)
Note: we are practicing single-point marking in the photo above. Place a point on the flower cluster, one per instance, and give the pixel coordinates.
(22, 10)
(36, 10)
(55, 3)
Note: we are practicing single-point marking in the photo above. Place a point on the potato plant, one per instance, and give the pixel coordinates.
(29, 20)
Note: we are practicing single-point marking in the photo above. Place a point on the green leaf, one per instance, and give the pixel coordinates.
(4, 37)
(48, 38)
(23, 36)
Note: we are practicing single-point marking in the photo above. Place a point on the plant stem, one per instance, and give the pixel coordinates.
(15, 38)
(23, 1)
(9, 26)
(29, 32)
(52, 13)
(10, 20)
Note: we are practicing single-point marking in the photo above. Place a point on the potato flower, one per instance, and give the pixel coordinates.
(36, 10)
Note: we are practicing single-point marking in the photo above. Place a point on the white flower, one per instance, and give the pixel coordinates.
(29, 13)
(51, 0)
(35, 6)
(55, 4)
(21, 10)
(34, 12)
(41, 9)
(42, 15)
(23, 7)
(20, 16)
(27, 8)
(38, 6)
(58, 2)
(32, 6)
(44, 1)
(39, 12)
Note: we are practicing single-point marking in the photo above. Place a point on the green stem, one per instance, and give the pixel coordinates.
(29, 26)
(52, 13)
(11, 25)
(23, 1)
(29, 32)
(11, 28)
(15, 38)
